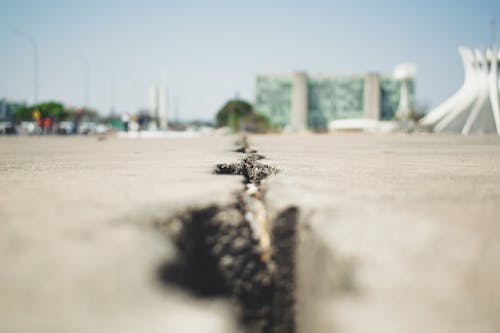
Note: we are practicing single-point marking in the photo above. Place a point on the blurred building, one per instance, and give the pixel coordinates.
(475, 107)
(158, 105)
(8, 109)
(301, 101)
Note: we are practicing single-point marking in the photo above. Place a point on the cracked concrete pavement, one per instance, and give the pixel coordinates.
(399, 232)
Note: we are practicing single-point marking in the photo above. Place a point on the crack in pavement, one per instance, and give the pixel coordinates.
(235, 250)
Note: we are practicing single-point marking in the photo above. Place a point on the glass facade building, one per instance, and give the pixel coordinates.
(390, 89)
(274, 98)
(329, 98)
(8, 110)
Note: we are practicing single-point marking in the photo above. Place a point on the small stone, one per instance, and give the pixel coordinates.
(226, 261)
(240, 243)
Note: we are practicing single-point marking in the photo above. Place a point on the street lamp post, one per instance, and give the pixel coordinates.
(111, 90)
(493, 24)
(31, 40)
(86, 81)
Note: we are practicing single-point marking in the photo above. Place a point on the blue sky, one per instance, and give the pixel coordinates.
(206, 52)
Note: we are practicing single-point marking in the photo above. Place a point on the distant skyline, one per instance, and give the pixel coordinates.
(207, 52)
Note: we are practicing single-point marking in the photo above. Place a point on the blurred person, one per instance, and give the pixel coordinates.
(141, 120)
(125, 120)
(47, 125)
(39, 124)
(76, 121)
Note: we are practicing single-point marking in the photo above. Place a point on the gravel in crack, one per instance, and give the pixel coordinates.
(230, 251)
(253, 171)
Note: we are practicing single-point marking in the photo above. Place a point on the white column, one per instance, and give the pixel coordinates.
(163, 107)
(153, 101)
(494, 88)
(299, 102)
(371, 97)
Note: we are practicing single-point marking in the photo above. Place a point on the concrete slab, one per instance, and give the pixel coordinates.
(401, 231)
(76, 249)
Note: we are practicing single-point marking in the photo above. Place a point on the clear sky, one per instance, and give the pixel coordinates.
(206, 52)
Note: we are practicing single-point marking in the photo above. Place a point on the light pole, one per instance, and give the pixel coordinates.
(34, 45)
(86, 75)
(493, 23)
(111, 90)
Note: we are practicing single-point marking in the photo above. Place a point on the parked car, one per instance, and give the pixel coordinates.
(90, 128)
(7, 127)
(65, 127)
(102, 129)
(87, 127)
(28, 127)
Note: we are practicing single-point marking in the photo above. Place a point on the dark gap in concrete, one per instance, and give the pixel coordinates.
(194, 259)
(284, 235)
(245, 150)
(218, 257)
(244, 146)
(220, 254)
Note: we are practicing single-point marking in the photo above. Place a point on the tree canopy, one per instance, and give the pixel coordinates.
(48, 109)
(240, 115)
(232, 111)
(54, 110)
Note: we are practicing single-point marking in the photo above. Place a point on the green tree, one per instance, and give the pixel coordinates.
(82, 114)
(48, 109)
(239, 115)
(232, 112)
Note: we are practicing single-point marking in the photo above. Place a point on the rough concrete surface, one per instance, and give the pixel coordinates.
(400, 233)
(76, 247)
(397, 233)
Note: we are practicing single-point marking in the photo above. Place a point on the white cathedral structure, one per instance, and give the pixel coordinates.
(474, 108)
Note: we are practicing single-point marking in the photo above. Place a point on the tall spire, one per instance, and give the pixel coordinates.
(475, 108)
(493, 23)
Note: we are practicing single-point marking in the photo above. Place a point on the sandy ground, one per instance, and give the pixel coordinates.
(399, 233)
(76, 250)
(403, 230)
